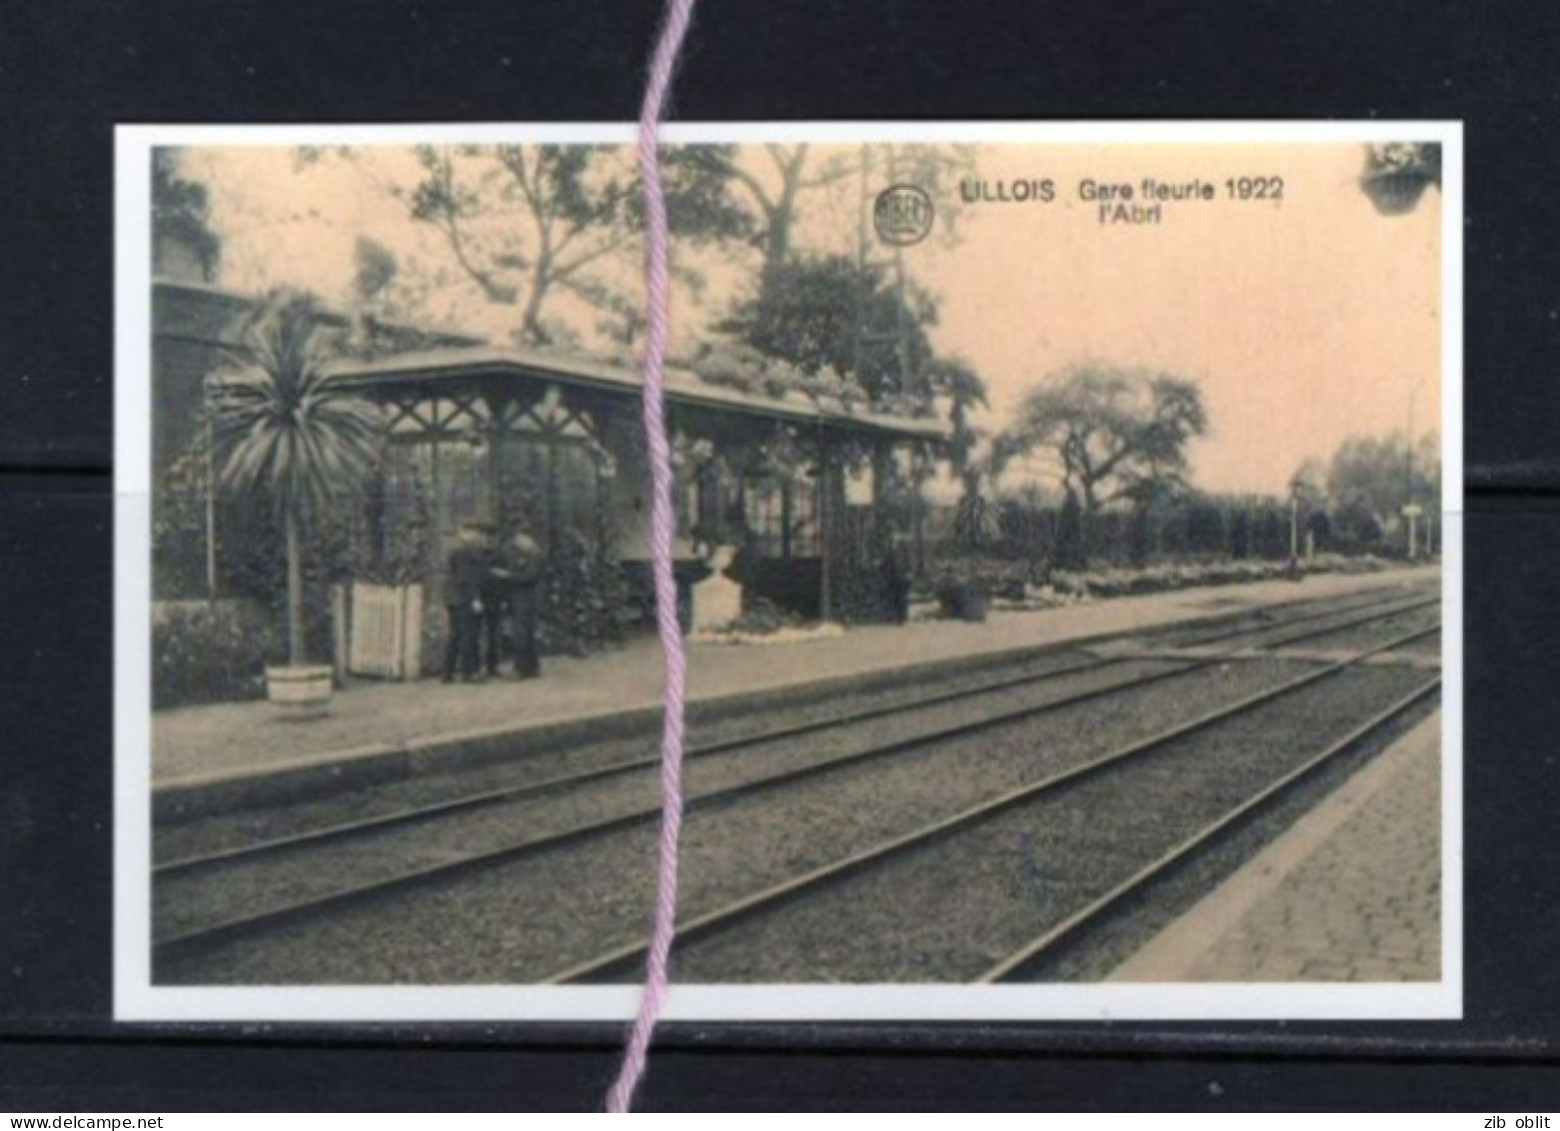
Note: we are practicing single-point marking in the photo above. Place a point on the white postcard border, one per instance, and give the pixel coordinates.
(137, 999)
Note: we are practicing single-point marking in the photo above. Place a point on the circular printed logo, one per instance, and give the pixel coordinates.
(902, 215)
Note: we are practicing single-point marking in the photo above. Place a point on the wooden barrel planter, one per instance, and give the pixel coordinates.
(299, 691)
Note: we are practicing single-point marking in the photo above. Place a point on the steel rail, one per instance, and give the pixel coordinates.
(1013, 967)
(1241, 622)
(626, 959)
(184, 867)
(1415, 597)
(1378, 613)
(202, 937)
(506, 794)
(185, 943)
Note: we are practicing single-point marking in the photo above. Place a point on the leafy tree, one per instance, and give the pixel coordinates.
(1309, 483)
(524, 223)
(375, 269)
(975, 518)
(181, 211)
(810, 317)
(581, 204)
(737, 365)
(1379, 474)
(1308, 495)
(1115, 433)
(1240, 533)
(1272, 533)
(1140, 539)
(1071, 551)
(1356, 529)
(284, 432)
(777, 188)
(1319, 525)
(956, 379)
(811, 312)
(1209, 526)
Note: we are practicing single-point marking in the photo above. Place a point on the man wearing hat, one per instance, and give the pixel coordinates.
(517, 574)
(465, 572)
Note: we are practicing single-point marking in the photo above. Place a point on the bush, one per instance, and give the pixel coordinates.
(1071, 547)
(210, 653)
(763, 617)
(585, 598)
(961, 596)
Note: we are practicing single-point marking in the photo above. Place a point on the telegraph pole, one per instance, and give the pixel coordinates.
(869, 339)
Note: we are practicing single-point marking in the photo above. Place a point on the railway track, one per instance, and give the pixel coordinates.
(174, 946)
(1032, 955)
(624, 962)
(190, 843)
(194, 863)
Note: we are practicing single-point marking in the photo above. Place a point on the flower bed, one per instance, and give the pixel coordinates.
(1065, 587)
(210, 653)
(802, 635)
(764, 623)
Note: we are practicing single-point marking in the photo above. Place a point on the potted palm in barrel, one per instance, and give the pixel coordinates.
(285, 433)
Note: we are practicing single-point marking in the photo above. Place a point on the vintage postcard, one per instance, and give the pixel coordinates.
(1068, 550)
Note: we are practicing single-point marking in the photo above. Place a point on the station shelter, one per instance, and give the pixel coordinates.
(536, 441)
(553, 445)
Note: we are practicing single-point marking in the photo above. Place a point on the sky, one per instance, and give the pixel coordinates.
(1304, 320)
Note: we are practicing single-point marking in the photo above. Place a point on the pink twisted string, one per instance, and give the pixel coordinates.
(662, 528)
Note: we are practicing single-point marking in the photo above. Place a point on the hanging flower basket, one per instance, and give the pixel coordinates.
(1395, 191)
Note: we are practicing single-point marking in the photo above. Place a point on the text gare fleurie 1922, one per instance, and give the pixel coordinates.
(1137, 202)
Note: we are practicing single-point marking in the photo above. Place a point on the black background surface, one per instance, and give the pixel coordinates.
(70, 70)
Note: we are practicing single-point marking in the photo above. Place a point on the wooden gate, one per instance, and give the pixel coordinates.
(386, 632)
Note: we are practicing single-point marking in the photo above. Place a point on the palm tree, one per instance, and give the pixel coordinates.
(283, 430)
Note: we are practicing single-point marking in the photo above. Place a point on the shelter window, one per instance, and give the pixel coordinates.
(781, 517)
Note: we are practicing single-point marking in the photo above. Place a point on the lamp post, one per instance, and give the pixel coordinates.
(211, 495)
(1294, 526)
(1298, 488)
(1410, 511)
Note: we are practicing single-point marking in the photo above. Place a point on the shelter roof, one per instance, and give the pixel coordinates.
(464, 366)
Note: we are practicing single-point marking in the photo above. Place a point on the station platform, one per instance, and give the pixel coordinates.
(235, 745)
(1349, 893)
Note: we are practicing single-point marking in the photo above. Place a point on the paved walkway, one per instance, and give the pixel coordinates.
(196, 742)
(1351, 893)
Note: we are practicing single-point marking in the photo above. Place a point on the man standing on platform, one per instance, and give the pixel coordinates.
(464, 574)
(520, 571)
(495, 597)
(896, 576)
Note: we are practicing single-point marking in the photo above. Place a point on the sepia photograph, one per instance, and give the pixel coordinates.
(1069, 596)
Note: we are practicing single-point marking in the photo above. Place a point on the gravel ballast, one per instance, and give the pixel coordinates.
(211, 834)
(245, 887)
(1255, 630)
(1373, 635)
(179, 838)
(951, 910)
(1317, 634)
(524, 920)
